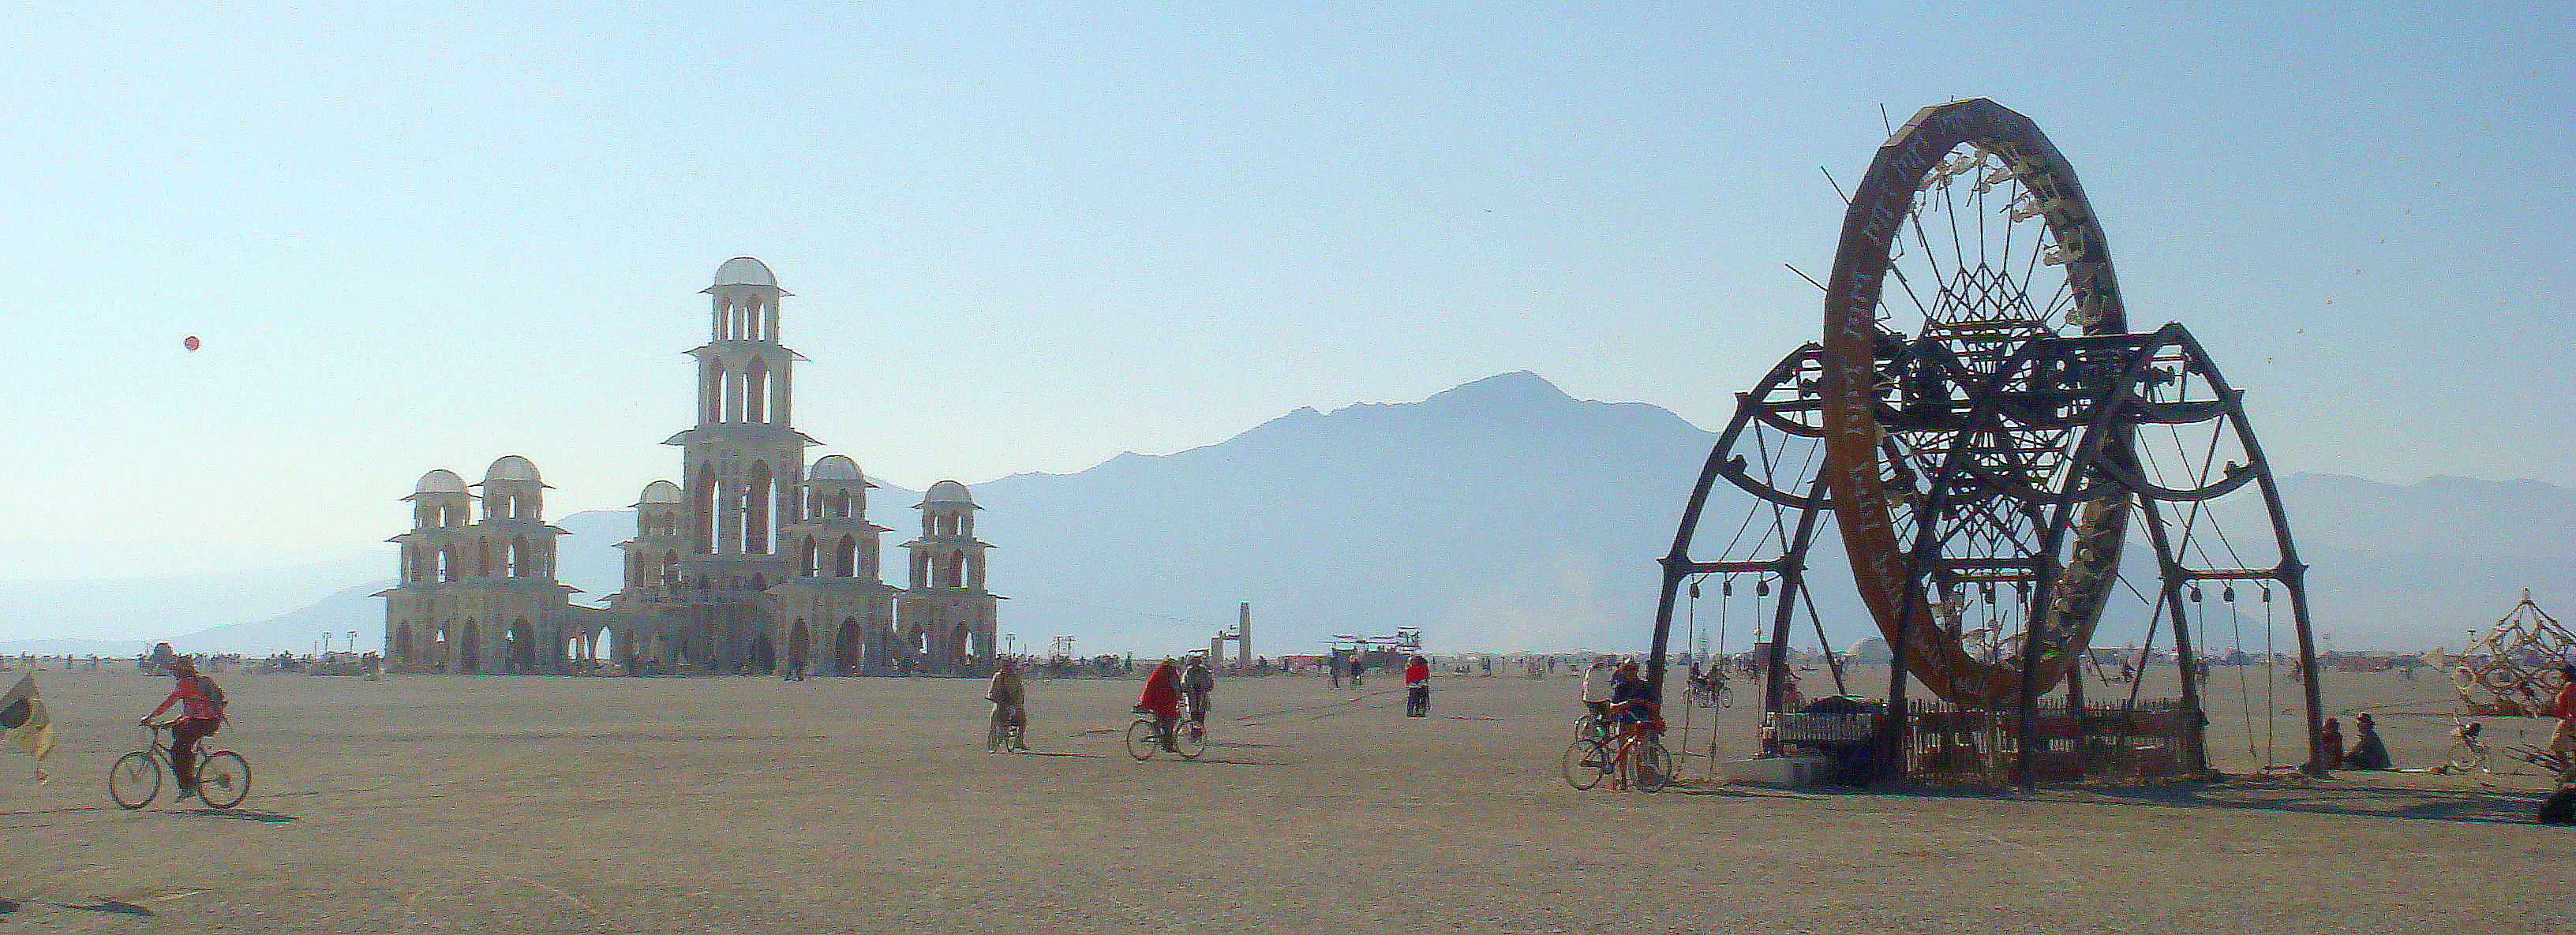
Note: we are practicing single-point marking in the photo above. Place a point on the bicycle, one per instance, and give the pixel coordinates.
(2467, 752)
(1634, 757)
(1145, 736)
(134, 780)
(1715, 694)
(1004, 734)
(1592, 726)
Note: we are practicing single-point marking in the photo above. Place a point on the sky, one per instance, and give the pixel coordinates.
(1028, 237)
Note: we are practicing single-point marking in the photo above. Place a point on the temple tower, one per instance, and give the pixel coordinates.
(420, 607)
(480, 595)
(836, 614)
(947, 617)
(744, 462)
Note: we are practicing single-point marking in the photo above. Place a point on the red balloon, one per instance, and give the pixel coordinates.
(191, 342)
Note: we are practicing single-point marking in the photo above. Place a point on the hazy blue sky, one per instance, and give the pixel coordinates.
(1026, 237)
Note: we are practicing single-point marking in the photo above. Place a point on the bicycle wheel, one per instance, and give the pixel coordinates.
(996, 734)
(1192, 739)
(1650, 765)
(223, 779)
(1141, 740)
(1585, 763)
(134, 780)
(2465, 758)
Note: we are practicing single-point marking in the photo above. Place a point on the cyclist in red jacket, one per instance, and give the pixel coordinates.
(1162, 699)
(198, 716)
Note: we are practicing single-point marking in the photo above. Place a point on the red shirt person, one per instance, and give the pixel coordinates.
(1417, 687)
(198, 717)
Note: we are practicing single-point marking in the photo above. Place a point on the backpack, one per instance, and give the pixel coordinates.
(214, 694)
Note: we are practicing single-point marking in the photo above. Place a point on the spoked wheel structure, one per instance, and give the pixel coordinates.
(1966, 242)
(1988, 433)
(1190, 737)
(223, 779)
(134, 780)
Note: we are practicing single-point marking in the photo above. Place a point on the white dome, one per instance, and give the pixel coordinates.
(660, 491)
(745, 271)
(948, 491)
(511, 467)
(835, 467)
(439, 481)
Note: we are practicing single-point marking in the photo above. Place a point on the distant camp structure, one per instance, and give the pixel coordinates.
(752, 562)
(1990, 437)
(2511, 670)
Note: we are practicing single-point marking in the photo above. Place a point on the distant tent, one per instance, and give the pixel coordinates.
(1869, 652)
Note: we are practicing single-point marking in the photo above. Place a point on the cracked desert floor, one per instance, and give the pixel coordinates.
(503, 804)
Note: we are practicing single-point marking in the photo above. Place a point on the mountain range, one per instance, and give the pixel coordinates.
(1499, 515)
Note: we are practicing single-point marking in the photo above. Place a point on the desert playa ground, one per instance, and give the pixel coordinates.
(534, 804)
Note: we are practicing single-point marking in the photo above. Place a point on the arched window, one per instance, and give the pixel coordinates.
(703, 511)
(760, 582)
(755, 392)
(671, 570)
(806, 558)
(845, 558)
(733, 397)
(755, 510)
(447, 565)
(518, 556)
(710, 392)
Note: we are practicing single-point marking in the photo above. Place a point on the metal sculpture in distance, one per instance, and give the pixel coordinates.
(1987, 432)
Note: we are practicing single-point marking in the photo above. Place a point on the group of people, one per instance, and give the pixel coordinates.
(2367, 751)
(1618, 694)
(1172, 691)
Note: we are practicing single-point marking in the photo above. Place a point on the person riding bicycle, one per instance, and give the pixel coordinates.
(1632, 701)
(1417, 687)
(1010, 698)
(1596, 688)
(200, 713)
(1196, 684)
(1162, 699)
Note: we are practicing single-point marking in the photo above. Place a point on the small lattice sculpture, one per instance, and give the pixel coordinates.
(2515, 664)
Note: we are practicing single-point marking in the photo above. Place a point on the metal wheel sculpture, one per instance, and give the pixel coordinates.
(1976, 419)
(2018, 258)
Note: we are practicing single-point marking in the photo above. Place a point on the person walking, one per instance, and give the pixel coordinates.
(2563, 707)
(1417, 687)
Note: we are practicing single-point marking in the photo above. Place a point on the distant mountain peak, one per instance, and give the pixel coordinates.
(1518, 386)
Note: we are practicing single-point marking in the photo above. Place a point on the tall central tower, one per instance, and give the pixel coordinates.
(744, 461)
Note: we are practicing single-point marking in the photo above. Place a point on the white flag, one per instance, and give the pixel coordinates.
(23, 720)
